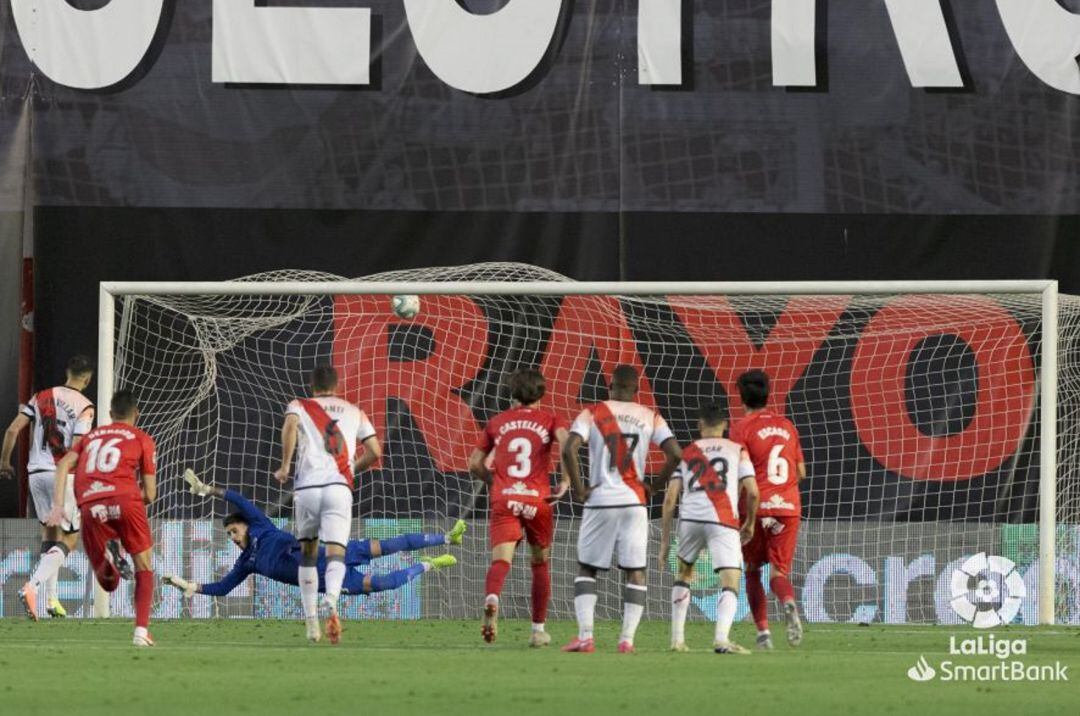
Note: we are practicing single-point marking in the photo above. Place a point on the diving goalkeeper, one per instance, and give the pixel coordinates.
(275, 553)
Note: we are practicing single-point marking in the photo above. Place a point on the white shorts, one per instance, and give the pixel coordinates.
(603, 530)
(323, 513)
(41, 491)
(725, 546)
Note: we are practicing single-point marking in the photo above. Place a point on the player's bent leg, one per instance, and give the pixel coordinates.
(502, 554)
(334, 579)
(408, 543)
(759, 605)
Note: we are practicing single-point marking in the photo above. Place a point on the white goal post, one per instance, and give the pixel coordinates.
(1047, 378)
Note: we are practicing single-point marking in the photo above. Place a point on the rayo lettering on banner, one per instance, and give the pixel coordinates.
(450, 348)
(492, 52)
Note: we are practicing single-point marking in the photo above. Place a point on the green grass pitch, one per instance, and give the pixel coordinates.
(442, 667)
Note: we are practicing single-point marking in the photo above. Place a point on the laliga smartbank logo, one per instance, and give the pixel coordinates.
(987, 591)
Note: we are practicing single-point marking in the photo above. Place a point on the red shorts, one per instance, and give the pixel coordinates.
(120, 517)
(773, 543)
(510, 519)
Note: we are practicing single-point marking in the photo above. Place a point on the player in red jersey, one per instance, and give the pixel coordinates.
(773, 444)
(109, 463)
(519, 442)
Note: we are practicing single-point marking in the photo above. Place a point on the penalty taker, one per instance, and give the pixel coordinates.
(274, 553)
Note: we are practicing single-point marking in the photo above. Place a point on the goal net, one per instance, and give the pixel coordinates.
(919, 416)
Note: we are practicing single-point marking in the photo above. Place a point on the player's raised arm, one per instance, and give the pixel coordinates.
(372, 453)
(289, 432)
(11, 435)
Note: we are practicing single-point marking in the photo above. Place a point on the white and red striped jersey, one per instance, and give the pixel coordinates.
(710, 471)
(58, 416)
(619, 434)
(330, 429)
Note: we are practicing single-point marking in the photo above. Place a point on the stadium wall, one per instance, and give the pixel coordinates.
(852, 572)
(185, 169)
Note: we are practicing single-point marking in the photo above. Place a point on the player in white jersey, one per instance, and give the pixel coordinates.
(60, 416)
(713, 472)
(324, 432)
(616, 517)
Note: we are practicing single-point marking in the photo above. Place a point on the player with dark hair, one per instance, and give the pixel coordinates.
(60, 417)
(110, 463)
(618, 432)
(518, 444)
(714, 472)
(324, 432)
(275, 554)
(773, 444)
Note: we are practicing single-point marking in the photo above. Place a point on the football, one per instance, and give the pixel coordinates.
(405, 306)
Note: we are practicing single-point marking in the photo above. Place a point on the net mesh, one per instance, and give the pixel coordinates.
(918, 417)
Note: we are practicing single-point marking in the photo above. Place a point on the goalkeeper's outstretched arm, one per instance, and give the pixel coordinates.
(219, 588)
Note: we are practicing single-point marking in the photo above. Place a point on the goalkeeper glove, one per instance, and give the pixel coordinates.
(188, 588)
(197, 486)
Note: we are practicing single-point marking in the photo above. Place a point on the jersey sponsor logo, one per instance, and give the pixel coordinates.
(521, 509)
(333, 438)
(776, 502)
(620, 448)
(105, 513)
(97, 487)
(521, 489)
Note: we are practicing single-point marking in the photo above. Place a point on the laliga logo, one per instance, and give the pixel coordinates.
(987, 591)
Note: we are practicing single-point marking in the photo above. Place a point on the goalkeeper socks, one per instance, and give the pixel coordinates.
(725, 613)
(633, 608)
(397, 578)
(335, 576)
(144, 597)
(781, 587)
(585, 605)
(410, 543)
(759, 606)
(680, 605)
(309, 590)
(541, 592)
(496, 575)
(52, 558)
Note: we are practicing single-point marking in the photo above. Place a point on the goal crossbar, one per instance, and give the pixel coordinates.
(1047, 289)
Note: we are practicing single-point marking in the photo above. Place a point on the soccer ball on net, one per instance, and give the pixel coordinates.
(405, 306)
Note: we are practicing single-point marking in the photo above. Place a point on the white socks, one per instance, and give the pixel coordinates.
(537, 627)
(680, 606)
(585, 605)
(335, 577)
(725, 613)
(309, 591)
(47, 568)
(633, 608)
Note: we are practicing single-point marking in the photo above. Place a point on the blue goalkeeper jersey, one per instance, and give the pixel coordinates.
(274, 553)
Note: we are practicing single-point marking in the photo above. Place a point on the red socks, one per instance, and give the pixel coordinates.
(781, 587)
(496, 575)
(541, 592)
(755, 595)
(144, 597)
